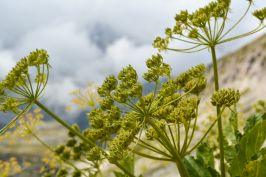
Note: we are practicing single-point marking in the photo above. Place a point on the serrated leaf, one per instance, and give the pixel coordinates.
(249, 146)
(196, 168)
(205, 155)
(252, 120)
(255, 168)
(229, 152)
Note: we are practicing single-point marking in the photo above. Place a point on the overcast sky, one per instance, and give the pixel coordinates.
(90, 39)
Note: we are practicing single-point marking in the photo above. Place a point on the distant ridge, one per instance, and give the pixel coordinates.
(245, 70)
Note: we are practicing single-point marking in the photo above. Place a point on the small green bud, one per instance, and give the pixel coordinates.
(151, 134)
(66, 155)
(182, 16)
(76, 173)
(94, 154)
(71, 142)
(9, 105)
(38, 57)
(109, 84)
(60, 149)
(160, 43)
(168, 88)
(225, 97)
(168, 32)
(193, 34)
(128, 74)
(196, 85)
(155, 61)
(260, 14)
(106, 103)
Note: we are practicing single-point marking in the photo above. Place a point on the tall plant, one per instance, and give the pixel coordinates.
(159, 125)
(206, 28)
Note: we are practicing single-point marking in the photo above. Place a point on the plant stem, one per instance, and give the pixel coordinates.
(218, 110)
(176, 157)
(63, 123)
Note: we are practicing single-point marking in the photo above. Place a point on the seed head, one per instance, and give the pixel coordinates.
(225, 97)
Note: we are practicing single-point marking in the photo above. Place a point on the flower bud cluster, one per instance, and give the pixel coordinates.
(120, 89)
(124, 111)
(9, 104)
(120, 143)
(225, 97)
(103, 123)
(193, 79)
(189, 24)
(260, 14)
(17, 77)
(156, 68)
(186, 110)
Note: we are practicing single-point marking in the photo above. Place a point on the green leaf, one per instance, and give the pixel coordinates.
(249, 145)
(252, 120)
(195, 167)
(229, 152)
(128, 164)
(255, 168)
(205, 155)
(119, 174)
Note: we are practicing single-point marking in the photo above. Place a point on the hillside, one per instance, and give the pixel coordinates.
(244, 69)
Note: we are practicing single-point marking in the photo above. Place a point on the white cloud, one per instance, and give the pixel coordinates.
(72, 31)
(6, 62)
(124, 52)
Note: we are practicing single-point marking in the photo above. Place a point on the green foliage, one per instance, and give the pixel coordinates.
(249, 146)
(129, 164)
(203, 164)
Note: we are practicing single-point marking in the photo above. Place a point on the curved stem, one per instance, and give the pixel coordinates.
(183, 40)
(6, 127)
(192, 51)
(242, 17)
(51, 150)
(218, 110)
(63, 123)
(150, 156)
(202, 138)
(259, 28)
(176, 157)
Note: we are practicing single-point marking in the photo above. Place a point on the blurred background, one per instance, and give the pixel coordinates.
(88, 40)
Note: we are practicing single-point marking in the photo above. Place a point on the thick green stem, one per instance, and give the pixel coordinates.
(176, 157)
(63, 123)
(77, 133)
(218, 110)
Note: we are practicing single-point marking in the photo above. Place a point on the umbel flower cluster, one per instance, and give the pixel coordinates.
(225, 97)
(205, 27)
(16, 89)
(125, 111)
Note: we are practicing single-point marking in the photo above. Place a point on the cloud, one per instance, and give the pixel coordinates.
(6, 63)
(87, 40)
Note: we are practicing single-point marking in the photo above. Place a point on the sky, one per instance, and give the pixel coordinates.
(90, 39)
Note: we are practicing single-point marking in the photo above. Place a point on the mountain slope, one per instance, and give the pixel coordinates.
(245, 70)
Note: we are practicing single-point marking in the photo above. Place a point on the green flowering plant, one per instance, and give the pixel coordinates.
(19, 89)
(160, 125)
(203, 29)
(127, 119)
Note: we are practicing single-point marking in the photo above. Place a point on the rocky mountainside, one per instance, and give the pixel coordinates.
(245, 70)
